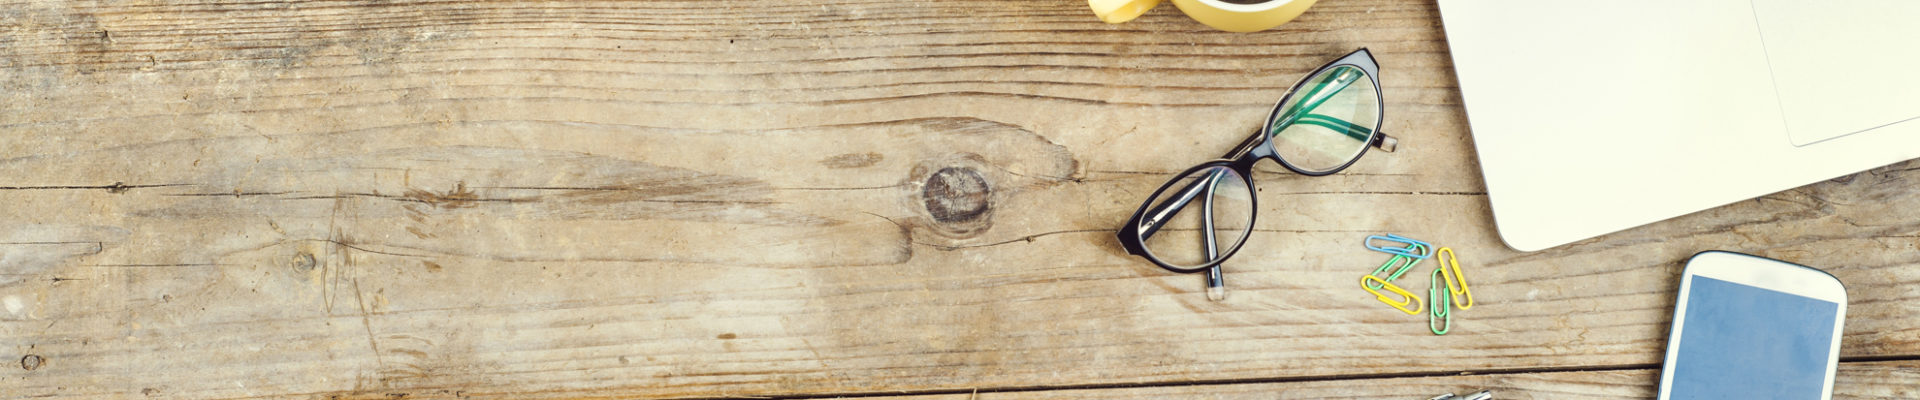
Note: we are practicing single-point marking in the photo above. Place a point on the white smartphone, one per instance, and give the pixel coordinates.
(1748, 327)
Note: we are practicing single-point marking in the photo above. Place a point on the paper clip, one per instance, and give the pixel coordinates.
(1413, 248)
(1438, 309)
(1456, 283)
(1409, 262)
(1402, 305)
(1483, 395)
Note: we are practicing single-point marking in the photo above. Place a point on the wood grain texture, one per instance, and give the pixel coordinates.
(215, 199)
(1872, 380)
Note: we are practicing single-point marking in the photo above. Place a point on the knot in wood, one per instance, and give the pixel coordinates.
(957, 195)
(303, 262)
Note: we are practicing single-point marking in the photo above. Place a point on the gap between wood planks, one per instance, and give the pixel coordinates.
(975, 392)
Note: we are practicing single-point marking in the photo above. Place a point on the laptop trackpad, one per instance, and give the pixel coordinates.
(1842, 67)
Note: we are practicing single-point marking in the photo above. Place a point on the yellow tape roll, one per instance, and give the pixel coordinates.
(1226, 15)
(1243, 15)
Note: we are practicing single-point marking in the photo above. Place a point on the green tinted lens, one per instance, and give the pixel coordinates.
(1328, 121)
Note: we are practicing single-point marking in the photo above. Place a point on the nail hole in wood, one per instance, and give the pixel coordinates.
(32, 362)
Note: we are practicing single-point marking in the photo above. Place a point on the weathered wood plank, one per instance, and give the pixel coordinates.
(697, 198)
(1883, 380)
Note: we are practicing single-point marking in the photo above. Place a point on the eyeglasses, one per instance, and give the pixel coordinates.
(1322, 125)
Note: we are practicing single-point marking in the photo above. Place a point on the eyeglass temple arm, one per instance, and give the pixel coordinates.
(1302, 112)
(1384, 142)
(1159, 215)
(1216, 281)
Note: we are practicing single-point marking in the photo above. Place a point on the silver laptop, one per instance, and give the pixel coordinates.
(1591, 117)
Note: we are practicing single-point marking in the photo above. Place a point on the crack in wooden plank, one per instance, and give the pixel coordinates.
(116, 187)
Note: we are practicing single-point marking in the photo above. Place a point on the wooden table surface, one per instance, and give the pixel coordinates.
(776, 199)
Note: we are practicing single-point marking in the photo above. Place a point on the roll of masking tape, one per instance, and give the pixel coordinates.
(1226, 15)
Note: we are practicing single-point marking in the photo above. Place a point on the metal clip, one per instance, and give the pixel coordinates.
(1483, 395)
(1439, 308)
(1456, 283)
(1412, 248)
(1407, 298)
(1408, 263)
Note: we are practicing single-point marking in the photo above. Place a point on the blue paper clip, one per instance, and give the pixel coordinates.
(1406, 246)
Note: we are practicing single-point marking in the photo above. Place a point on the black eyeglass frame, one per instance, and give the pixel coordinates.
(1241, 160)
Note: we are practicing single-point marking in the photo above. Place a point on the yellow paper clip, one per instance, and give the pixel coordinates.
(1456, 283)
(1402, 305)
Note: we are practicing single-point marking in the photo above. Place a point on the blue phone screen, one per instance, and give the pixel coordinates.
(1744, 342)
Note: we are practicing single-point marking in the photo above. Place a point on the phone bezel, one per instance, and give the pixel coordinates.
(1765, 273)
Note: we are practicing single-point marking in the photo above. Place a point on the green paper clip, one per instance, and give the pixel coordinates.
(1406, 264)
(1439, 304)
